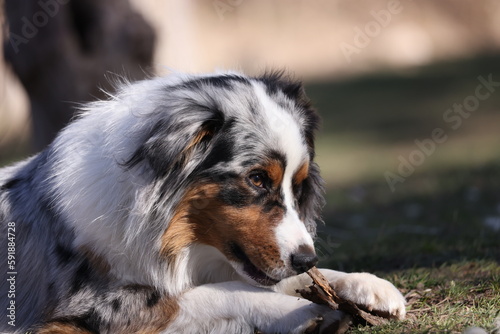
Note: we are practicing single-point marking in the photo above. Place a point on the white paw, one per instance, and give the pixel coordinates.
(372, 293)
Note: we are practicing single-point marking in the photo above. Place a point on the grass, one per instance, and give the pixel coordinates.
(424, 225)
(437, 236)
(433, 244)
(447, 299)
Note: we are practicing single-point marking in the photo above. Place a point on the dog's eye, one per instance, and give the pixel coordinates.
(257, 180)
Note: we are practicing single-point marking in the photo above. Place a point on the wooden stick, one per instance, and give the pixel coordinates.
(321, 292)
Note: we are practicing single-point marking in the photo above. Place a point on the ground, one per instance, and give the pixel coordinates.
(436, 234)
(437, 249)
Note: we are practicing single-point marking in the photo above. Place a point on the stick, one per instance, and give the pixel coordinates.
(321, 292)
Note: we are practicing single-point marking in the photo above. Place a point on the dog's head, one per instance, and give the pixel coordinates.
(236, 154)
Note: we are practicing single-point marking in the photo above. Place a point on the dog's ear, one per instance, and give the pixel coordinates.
(178, 138)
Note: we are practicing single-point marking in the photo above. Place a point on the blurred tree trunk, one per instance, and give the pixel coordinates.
(64, 50)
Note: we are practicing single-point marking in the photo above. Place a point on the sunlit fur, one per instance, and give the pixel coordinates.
(175, 206)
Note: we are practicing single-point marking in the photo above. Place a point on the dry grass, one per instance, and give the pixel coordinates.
(447, 299)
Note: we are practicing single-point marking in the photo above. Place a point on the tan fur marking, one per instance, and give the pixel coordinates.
(301, 174)
(180, 232)
(154, 320)
(204, 218)
(275, 171)
(249, 227)
(148, 321)
(61, 328)
(183, 158)
(198, 138)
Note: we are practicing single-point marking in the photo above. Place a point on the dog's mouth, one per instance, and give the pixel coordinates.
(250, 269)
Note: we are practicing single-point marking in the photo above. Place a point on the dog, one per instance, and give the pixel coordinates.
(182, 204)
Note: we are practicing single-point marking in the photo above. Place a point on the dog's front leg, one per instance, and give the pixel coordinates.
(237, 307)
(364, 289)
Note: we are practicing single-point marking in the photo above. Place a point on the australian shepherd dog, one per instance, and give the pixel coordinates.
(184, 204)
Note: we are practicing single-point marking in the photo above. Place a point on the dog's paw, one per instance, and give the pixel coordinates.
(372, 293)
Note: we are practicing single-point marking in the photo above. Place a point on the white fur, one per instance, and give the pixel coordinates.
(242, 308)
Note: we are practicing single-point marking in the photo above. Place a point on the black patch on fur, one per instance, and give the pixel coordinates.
(141, 153)
(222, 149)
(153, 299)
(234, 196)
(272, 81)
(47, 206)
(82, 276)
(272, 204)
(116, 304)
(270, 155)
(169, 157)
(278, 80)
(64, 255)
(278, 156)
(297, 190)
(311, 126)
(311, 200)
(249, 162)
(134, 288)
(90, 321)
(221, 178)
(10, 184)
(223, 81)
(238, 252)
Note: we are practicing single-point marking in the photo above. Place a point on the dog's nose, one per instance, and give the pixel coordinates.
(304, 259)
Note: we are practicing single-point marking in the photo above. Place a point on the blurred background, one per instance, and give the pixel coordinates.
(409, 93)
